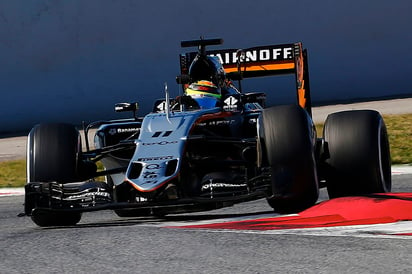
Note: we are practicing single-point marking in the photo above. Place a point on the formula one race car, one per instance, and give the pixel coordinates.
(211, 147)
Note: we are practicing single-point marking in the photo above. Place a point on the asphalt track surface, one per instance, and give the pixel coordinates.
(245, 238)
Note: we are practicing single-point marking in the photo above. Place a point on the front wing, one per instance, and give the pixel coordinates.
(55, 197)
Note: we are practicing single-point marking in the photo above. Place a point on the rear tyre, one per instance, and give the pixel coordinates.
(52, 156)
(288, 138)
(358, 153)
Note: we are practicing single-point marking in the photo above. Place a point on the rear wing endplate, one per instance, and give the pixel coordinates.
(263, 61)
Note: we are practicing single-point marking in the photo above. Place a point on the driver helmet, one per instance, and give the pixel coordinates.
(205, 93)
(207, 68)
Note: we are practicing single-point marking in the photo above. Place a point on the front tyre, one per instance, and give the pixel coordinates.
(288, 138)
(45, 219)
(358, 154)
(52, 156)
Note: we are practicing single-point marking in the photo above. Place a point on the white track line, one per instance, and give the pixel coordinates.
(401, 169)
(11, 191)
(390, 231)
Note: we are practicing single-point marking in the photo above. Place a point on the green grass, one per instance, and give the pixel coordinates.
(13, 173)
(400, 137)
(399, 129)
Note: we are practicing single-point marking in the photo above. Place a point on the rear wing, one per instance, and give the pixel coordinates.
(263, 61)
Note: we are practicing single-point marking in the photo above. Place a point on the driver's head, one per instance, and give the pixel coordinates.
(206, 94)
(207, 68)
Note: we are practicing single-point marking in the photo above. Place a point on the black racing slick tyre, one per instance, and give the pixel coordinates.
(46, 219)
(52, 153)
(287, 140)
(52, 156)
(358, 156)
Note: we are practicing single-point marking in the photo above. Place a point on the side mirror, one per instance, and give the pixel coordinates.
(235, 76)
(254, 97)
(183, 79)
(122, 107)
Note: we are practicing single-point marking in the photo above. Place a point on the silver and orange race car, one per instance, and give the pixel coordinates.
(211, 147)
